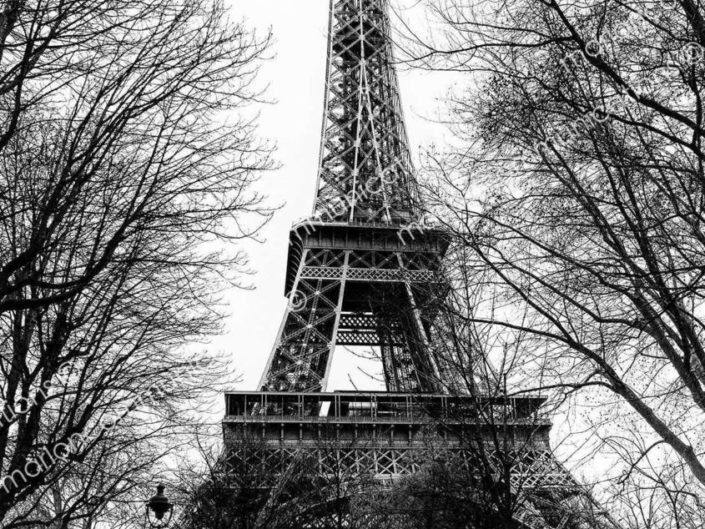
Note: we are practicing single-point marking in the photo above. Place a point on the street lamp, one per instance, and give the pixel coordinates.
(159, 506)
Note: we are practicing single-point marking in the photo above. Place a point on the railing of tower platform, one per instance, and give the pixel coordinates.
(379, 407)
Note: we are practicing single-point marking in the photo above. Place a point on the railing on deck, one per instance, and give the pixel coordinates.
(377, 407)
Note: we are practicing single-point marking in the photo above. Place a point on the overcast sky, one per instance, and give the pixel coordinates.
(296, 80)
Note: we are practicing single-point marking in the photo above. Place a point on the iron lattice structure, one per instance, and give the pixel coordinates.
(358, 286)
(363, 271)
(365, 162)
(348, 439)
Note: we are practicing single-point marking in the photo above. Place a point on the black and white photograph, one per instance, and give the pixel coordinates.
(352, 264)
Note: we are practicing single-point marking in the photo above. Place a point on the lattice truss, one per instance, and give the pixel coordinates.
(365, 163)
(332, 462)
(548, 496)
(534, 470)
(357, 298)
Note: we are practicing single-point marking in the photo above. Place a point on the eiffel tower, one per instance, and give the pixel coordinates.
(364, 271)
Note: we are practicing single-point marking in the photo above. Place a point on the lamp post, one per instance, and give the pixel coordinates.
(157, 509)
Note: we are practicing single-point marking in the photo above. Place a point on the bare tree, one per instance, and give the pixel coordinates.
(128, 153)
(250, 486)
(578, 193)
(485, 459)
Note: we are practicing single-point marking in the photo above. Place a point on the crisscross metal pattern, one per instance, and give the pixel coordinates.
(365, 161)
(386, 313)
(550, 497)
(531, 471)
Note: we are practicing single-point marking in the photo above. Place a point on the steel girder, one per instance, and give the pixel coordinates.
(365, 165)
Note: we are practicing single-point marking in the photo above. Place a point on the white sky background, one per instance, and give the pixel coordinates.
(296, 83)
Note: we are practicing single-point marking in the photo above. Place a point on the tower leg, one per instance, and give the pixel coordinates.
(302, 354)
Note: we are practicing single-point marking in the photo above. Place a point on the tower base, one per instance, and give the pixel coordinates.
(356, 441)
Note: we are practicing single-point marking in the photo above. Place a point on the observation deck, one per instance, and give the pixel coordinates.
(381, 418)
